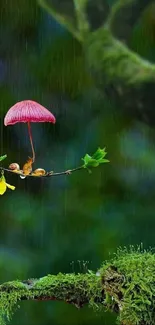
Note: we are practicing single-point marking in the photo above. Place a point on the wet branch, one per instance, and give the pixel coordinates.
(90, 161)
(63, 17)
(125, 285)
(104, 31)
(48, 174)
(124, 16)
(75, 289)
(70, 288)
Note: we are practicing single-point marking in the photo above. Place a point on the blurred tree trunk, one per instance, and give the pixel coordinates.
(104, 32)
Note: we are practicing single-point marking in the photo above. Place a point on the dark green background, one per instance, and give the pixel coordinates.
(68, 223)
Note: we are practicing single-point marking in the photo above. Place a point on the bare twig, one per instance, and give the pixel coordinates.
(48, 174)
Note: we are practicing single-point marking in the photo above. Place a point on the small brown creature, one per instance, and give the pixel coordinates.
(14, 166)
(27, 168)
(39, 172)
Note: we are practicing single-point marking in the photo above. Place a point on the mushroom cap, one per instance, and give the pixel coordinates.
(28, 111)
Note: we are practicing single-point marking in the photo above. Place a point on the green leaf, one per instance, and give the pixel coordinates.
(3, 157)
(99, 154)
(96, 159)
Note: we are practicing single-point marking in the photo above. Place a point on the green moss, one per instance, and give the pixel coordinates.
(109, 59)
(10, 294)
(77, 289)
(112, 61)
(125, 285)
(83, 24)
(129, 280)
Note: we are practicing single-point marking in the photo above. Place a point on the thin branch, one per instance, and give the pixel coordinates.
(110, 60)
(48, 174)
(124, 15)
(126, 77)
(89, 162)
(61, 18)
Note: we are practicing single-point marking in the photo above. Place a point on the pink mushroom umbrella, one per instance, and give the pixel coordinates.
(28, 111)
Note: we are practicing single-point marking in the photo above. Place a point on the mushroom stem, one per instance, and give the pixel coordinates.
(31, 141)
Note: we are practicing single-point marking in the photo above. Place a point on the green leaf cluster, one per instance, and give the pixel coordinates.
(96, 159)
(3, 157)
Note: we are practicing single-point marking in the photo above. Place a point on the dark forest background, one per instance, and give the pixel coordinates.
(68, 223)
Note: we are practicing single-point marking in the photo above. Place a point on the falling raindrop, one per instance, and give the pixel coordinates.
(98, 273)
(72, 265)
(22, 177)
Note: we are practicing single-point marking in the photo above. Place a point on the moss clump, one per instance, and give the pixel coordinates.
(129, 280)
(125, 285)
(112, 61)
(10, 294)
(76, 289)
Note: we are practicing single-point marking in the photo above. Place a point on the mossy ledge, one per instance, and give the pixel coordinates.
(125, 285)
(118, 72)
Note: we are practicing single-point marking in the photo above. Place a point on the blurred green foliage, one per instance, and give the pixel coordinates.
(143, 35)
(3, 157)
(62, 67)
(69, 223)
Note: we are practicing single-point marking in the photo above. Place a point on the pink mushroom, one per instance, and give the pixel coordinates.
(28, 111)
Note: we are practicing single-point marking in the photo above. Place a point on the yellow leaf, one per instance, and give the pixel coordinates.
(10, 186)
(2, 186)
